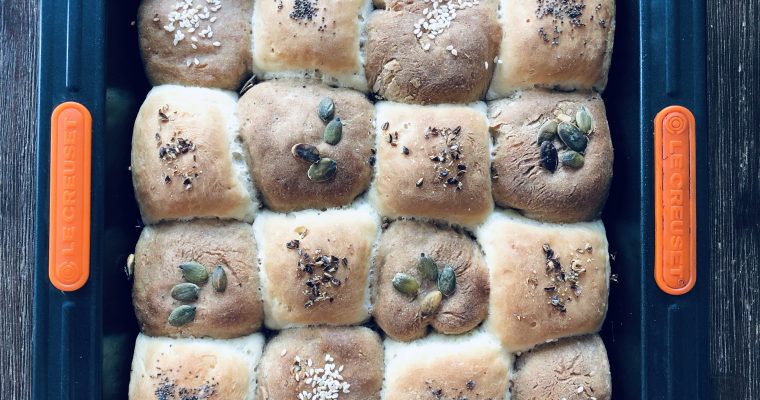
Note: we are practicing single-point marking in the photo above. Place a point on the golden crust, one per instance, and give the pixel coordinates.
(276, 115)
(568, 194)
(162, 248)
(358, 350)
(399, 251)
(224, 66)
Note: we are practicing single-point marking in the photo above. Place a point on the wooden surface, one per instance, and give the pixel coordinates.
(733, 89)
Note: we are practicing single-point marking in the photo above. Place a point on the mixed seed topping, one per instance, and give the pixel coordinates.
(320, 270)
(326, 382)
(175, 148)
(449, 165)
(193, 22)
(564, 282)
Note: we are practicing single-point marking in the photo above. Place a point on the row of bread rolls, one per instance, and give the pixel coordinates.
(193, 150)
(353, 363)
(450, 51)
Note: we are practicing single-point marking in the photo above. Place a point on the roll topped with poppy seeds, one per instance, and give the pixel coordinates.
(439, 52)
(428, 275)
(187, 161)
(550, 280)
(553, 156)
(289, 125)
(201, 43)
(316, 363)
(164, 368)
(197, 279)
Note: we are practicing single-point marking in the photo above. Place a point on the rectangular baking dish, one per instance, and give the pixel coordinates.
(83, 339)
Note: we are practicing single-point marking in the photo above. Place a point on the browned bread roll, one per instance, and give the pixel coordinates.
(186, 159)
(235, 311)
(200, 43)
(407, 62)
(315, 266)
(406, 317)
(277, 115)
(571, 193)
(549, 280)
(300, 38)
(572, 369)
(564, 45)
(164, 368)
(471, 366)
(307, 363)
(433, 162)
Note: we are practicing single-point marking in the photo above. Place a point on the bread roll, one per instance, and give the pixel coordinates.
(207, 46)
(549, 280)
(417, 146)
(559, 45)
(277, 115)
(350, 359)
(471, 366)
(572, 369)
(299, 287)
(320, 41)
(569, 194)
(236, 311)
(164, 368)
(404, 64)
(403, 316)
(187, 161)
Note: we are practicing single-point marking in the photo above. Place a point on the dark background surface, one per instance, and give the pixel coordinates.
(733, 51)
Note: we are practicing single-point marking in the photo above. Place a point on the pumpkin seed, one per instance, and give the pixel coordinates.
(322, 170)
(447, 281)
(584, 120)
(572, 159)
(427, 267)
(549, 156)
(305, 152)
(572, 137)
(219, 279)
(430, 303)
(406, 283)
(182, 315)
(326, 109)
(547, 131)
(185, 291)
(334, 131)
(194, 272)
(129, 269)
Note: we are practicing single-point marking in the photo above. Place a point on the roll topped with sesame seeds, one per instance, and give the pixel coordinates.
(322, 363)
(164, 368)
(572, 369)
(187, 161)
(553, 156)
(426, 53)
(549, 280)
(422, 253)
(196, 42)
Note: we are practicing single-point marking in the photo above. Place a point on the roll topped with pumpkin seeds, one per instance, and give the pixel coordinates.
(428, 276)
(197, 279)
(553, 155)
(309, 146)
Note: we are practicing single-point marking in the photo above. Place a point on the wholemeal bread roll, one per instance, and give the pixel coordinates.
(164, 368)
(406, 317)
(315, 266)
(206, 43)
(549, 280)
(570, 193)
(565, 45)
(277, 115)
(433, 162)
(404, 64)
(471, 366)
(572, 369)
(312, 362)
(187, 161)
(322, 41)
(235, 311)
